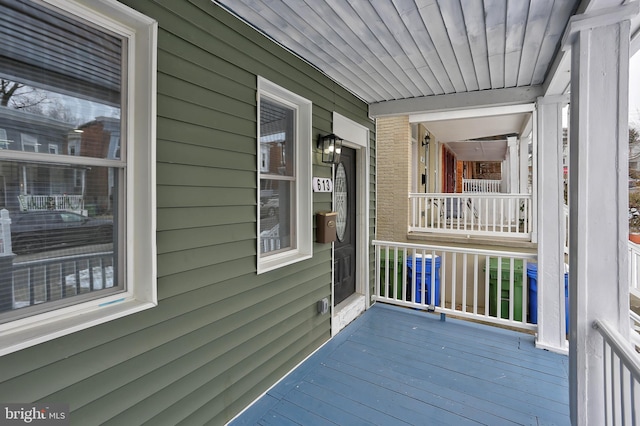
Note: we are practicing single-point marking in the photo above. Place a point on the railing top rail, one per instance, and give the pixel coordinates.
(485, 252)
(620, 346)
(634, 247)
(466, 195)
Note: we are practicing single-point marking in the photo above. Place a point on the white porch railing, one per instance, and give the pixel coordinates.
(486, 285)
(505, 215)
(621, 378)
(51, 202)
(43, 280)
(481, 185)
(634, 269)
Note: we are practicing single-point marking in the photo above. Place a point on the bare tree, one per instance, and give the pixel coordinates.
(7, 90)
(634, 135)
(35, 101)
(19, 96)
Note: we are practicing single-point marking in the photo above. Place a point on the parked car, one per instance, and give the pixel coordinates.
(42, 230)
(269, 207)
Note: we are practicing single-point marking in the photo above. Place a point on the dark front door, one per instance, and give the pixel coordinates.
(345, 247)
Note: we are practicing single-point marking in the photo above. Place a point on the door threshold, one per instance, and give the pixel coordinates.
(348, 310)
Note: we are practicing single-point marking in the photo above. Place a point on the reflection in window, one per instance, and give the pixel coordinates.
(65, 214)
(277, 179)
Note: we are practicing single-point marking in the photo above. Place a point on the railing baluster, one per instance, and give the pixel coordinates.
(404, 275)
(32, 292)
(454, 281)
(62, 281)
(512, 293)
(499, 289)
(464, 283)
(494, 215)
(525, 292)
(443, 276)
(475, 284)
(486, 286)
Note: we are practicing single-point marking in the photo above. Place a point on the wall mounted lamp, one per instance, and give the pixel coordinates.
(331, 146)
(427, 139)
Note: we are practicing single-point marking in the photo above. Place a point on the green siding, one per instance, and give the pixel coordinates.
(221, 334)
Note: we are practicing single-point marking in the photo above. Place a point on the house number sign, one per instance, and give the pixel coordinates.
(322, 184)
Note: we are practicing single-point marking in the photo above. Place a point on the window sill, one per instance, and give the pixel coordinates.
(278, 261)
(21, 334)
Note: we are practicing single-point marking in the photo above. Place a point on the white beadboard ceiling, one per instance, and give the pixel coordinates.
(410, 52)
(385, 50)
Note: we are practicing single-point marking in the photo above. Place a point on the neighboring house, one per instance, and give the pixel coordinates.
(199, 324)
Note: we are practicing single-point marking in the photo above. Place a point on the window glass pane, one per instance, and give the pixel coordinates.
(277, 138)
(62, 235)
(60, 86)
(275, 215)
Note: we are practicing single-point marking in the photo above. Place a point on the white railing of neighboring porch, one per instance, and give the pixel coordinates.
(505, 215)
(465, 281)
(481, 185)
(51, 202)
(621, 378)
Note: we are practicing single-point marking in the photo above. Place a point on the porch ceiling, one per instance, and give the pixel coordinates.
(470, 128)
(407, 56)
(479, 150)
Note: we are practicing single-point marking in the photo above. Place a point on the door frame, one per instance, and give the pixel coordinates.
(356, 136)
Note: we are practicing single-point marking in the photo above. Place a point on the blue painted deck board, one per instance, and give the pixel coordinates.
(399, 366)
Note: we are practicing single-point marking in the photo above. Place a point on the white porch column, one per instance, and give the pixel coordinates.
(598, 287)
(512, 146)
(551, 227)
(523, 158)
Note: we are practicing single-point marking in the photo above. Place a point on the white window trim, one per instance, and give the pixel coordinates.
(141, 265)
(303, 245)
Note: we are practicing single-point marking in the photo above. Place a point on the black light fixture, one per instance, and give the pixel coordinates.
(331, 145)
(427, 139)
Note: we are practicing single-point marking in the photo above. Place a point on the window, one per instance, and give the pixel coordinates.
(4, 142)
(284, 178)
(29, 143)
(81, 218)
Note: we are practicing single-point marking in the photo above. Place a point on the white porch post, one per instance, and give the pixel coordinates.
(551, 227)
(523, 158)
(513, 161)
(598, 287)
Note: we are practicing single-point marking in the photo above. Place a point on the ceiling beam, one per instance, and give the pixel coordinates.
(456, 101)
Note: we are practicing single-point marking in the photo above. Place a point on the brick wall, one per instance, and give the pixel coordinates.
(393, 161)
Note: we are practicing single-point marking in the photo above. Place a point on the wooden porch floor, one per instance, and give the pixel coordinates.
(399, 366)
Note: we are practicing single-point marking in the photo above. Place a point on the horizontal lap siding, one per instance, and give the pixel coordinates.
(221, 335)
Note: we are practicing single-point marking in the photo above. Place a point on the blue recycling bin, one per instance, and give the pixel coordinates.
(427, 263)
(532, 273)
